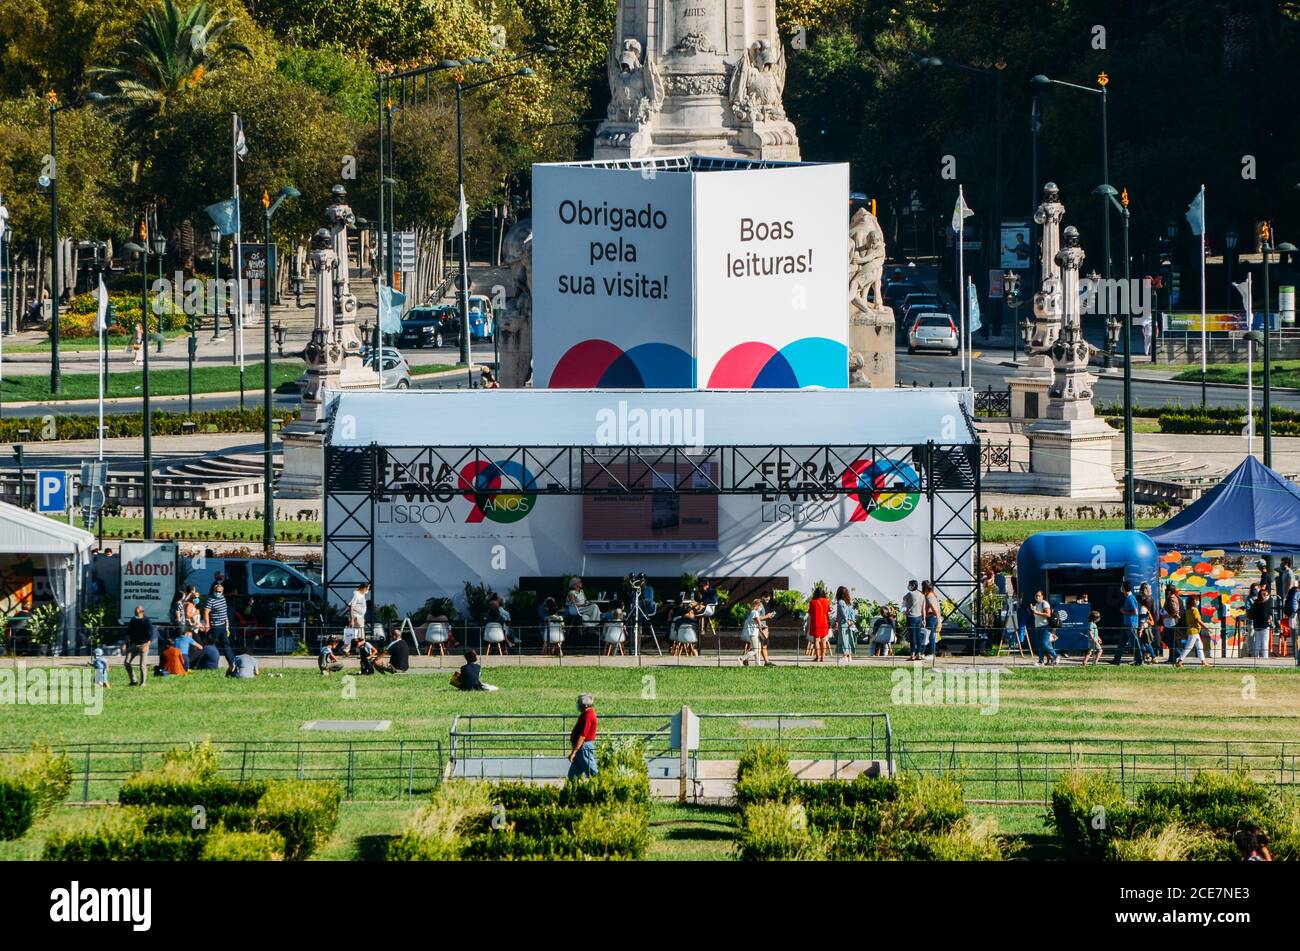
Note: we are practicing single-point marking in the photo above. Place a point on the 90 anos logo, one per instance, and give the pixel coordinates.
(886, 490)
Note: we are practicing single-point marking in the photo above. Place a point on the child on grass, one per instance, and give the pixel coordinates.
(101, 668)
(1094, 640)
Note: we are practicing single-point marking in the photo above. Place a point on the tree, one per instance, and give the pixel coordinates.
(49, 44)
(334, 72)
(169, 53)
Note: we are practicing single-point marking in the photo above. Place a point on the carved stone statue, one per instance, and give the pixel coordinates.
(866, 257)
(636, 89)
(871, 323)
(701, 77)
(339, 218)
(516, 325)
(757, 83)
(1048, 300)
(1070, 396)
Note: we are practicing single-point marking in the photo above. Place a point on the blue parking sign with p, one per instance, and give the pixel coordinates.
(51, 490)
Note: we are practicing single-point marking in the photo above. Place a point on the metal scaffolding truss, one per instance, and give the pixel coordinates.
(361, 477)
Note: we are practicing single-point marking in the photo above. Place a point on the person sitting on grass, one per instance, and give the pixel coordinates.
(189, 647)
(208, 658)
(395, 658)
(327, 660)
(170, 662)
(244, 668)
(367, 653)
(1094, 640)
(470, 676)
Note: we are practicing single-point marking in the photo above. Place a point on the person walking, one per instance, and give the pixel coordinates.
(913, 610)
(1261, 621)
(846, 623)
(752, 634)
(582, 739)
(1041, 609)
(1131, 613)
(1171, 620)
(137, 345)
(139, 637)
(819, 622)
(357, 612)
(216, 622)
(932, 617)
(1192, 628)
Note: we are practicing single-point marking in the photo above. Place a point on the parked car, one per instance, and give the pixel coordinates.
(913, 299)
(896, 291)
(933, 331)
(395, 373)
(426, 325)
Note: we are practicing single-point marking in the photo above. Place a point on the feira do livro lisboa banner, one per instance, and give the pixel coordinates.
(148, 578)
(444, 528)
(721, 279)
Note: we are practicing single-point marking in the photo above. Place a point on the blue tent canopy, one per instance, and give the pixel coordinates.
(1253, 510)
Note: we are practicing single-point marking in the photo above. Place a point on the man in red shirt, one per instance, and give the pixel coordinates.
(582, 758)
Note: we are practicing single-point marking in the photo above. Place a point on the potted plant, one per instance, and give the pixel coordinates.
(43, 627)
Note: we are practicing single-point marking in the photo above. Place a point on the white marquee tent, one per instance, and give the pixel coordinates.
(63, 550)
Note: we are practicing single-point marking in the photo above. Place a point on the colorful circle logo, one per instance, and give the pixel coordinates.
(600, 364)
(481, 482)
(886, 490)
(810, 361)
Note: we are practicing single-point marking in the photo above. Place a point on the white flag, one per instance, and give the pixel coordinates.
(961, 211)
(101, 313)
(1244, 290)
(1196, 213)
(241, 146)
(462, 219)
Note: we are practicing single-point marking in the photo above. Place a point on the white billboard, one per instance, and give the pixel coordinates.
(612, 295)
(148, 578)
(771, 273)
(655, 278)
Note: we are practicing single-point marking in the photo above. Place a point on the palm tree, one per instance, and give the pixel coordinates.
(169, 52)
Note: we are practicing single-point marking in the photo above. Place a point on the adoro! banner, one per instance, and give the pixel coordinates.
(148, 577)
(612, 296)
(653, 278)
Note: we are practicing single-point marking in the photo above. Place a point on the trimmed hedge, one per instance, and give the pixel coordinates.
(606, 816)
(1200, 422)
(119, 425)
(1205, 819)
(156, 818)
(911, 818)
(31, 785)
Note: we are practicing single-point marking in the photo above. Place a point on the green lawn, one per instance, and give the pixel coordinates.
(81, 344)
(122, 383)
(1285, 373)
(425, 369)
(202, 529)
(1017, 530)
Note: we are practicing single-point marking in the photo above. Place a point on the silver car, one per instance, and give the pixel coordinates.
(933, 332)
(395, 373)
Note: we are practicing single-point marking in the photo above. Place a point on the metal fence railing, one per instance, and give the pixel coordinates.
(1025, 771)
(365, 769)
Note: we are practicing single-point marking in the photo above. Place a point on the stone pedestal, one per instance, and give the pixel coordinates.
(1029, 392)
(871, 345)
(1072, 458)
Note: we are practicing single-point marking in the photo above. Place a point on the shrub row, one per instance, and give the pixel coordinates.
(602, 817)
(183, 811)
(1204, 423)
(1227, 413)
(31, 785)
(912, 818)
(1210, 818)
(120, 425)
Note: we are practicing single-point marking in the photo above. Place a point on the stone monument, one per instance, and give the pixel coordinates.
(700, 77)
(333, 356)
(516, 324)
(1029, 385)
(1070, 449)
(871, 323)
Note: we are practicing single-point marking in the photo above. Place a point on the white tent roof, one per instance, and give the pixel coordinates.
(26, 533)
(539, 417)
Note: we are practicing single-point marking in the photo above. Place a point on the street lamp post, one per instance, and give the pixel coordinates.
(1268, 248)
(1121, 205)
(1230, 246)
(268, 490)
(142, 249)
(1011, 294)
(215, 235)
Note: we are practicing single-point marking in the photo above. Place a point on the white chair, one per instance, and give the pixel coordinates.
(613, 635)
(687, 638)
(435, 633)
(494, 634)
(553, 636)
